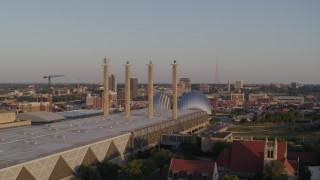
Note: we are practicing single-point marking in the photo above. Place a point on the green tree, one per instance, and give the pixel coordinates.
(108, 170)
(86, 173)
(255, 119)
(161, 157)
(274, 171)
(218, 147)
(230, 178)
(26, 98)
(148, 167)
(304, 173)
(133, 170)
(213, 120)
(243, 120)
(192, 146)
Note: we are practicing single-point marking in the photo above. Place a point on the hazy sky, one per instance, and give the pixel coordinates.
(257, 41)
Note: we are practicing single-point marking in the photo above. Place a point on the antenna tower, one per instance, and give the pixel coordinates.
(217, 78)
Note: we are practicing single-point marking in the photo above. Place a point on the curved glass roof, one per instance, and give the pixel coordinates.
(161, 101)
(194, 100)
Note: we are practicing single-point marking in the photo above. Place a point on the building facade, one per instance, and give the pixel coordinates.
(134, 85)
(187, 84)
(238, 84)
(113, 83)
(254, 97)
(289, 99)
(205, 88)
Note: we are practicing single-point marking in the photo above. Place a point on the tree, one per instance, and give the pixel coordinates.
(192, 146)
(214, 120)
(230, 178)
(243, 120)
(86, 173)
(255, 119)
(218, 147)
(274, 171)
(108, 170)
(161, 157)
(133, 170)
(304, 173)
(26, 98)
(148, 167)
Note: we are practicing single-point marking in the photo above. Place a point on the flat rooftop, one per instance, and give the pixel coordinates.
(18, 145)
(79, 113)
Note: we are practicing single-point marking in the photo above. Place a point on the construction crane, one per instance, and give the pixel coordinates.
(49, 79)
(49, 88)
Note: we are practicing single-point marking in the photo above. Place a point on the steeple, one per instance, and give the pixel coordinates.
(270, 151)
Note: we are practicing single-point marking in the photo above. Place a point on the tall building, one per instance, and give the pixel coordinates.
(294, 85)
(187, 84)
(113, 83)
(134, 87)
(93, 102)
(238, 84)
(182, 88)
(205, 88)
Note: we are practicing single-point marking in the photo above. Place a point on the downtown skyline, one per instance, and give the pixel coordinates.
(258, 42)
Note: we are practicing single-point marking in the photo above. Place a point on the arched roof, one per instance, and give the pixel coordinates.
(194, 100)
(161, 101)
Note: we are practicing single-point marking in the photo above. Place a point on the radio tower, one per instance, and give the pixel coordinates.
(217, 79)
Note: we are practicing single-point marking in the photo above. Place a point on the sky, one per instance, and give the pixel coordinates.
(256, 41)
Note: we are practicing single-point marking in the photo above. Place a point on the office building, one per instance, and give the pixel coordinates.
(254, 97)
(93, 102)
(238, 84)
(34, 106)
(205, 88)
(134, 87)
(289, 99)
(187, 84)
(294, 85)
(182, 88)
(113, 83)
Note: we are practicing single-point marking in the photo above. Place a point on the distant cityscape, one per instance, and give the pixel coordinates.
(160, 90)
(238, 117)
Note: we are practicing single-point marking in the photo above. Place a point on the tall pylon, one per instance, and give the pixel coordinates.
(175, 90)
(150, 90)
(217, 78)
(106, 86)
(127, 92)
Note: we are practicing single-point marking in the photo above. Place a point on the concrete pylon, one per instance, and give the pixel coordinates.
(150, 90)
(105, 87)
(127, 94)
(175, 90)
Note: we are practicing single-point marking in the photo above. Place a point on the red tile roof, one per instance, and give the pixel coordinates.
(289, 166)
(196, 167)
(223, 159)
(247, 156)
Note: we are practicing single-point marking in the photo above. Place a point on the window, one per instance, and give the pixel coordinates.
(204, 176)
(175, 174)
(189, 175)
(270, 154)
